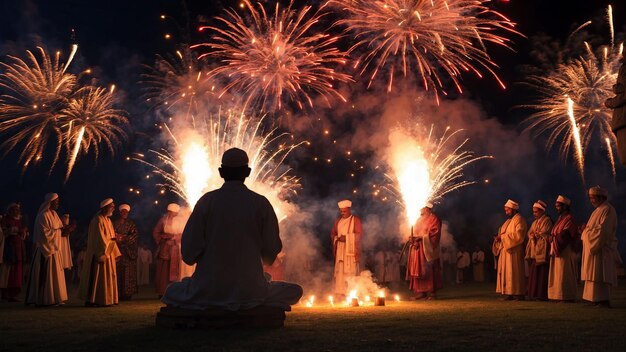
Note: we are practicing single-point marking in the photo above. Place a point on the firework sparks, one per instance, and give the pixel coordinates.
(426, 169)
(609, 150)
(580, 157)
(191, 170)
(45, 103)
(178, 81)
(36, 91)
(91, 120)
(570, 106)
(434, 38)
(275, 58)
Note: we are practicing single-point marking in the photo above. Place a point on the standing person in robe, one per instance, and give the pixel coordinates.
(144, 259)
(65, 249)
(231, 233)
(423, 264)
(562, 278)
(126, 236)
(462, 263)
(11, 269)
(599, 255)
(167, 254)
(46, 283)
(98, 281)
(508, 246)
(478, 264)
(618, 104)
(537, 251)
(346, 239)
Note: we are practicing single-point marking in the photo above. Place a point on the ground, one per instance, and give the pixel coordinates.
(465, 317)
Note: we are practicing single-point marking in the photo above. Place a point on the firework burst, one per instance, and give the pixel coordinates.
(177, 82)
(425, 168)
(570, 107)
(90, 120)
(433, 38)
(276, 58)
(36, 90)
(190, 169)
(43, 104)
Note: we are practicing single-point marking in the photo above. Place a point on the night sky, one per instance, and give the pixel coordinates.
(117, 37)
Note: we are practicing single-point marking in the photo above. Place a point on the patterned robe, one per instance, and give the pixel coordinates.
(126, 238)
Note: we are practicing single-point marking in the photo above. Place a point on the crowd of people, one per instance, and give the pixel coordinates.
(43, 265)
(538, 263)
(543, 262)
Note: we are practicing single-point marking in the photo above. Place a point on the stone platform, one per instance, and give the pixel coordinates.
(213, 318)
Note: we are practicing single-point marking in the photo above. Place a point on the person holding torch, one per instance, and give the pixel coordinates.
(423, 265)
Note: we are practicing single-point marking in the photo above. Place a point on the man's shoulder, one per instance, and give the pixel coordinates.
(227, 192)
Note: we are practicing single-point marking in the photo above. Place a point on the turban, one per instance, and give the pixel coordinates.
(173, 207)
(344, 204)
(511, 204)
(564, 200)
(106, 202)
(124, 207)
(540, 204)
(598, 191)
(429, 205)
(234, 157)
(47, 199)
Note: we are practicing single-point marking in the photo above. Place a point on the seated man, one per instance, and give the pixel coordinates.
(231, 233)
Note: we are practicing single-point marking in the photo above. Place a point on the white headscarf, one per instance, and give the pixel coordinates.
(48, 198)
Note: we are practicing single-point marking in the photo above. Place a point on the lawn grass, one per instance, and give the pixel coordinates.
(464, 318)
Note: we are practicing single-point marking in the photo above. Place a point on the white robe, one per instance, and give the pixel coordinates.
(539, 239)
(46, 284)
(65, 252)
(600, 257)
(345, 258)
(510, 278)
(98, 280)
(228, 232)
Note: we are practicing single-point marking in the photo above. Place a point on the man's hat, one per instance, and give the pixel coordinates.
(234, 157)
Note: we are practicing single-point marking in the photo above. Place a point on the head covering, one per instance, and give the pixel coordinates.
(564, 200)
(598, 191)
(511, 204)
(173, 207)
(106, 202)
(234, 157)
(540, 204)
(124, 207)
(429, 205)
(47, 199)
(344, 204)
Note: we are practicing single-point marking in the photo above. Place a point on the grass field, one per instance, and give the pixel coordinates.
(464, 318)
